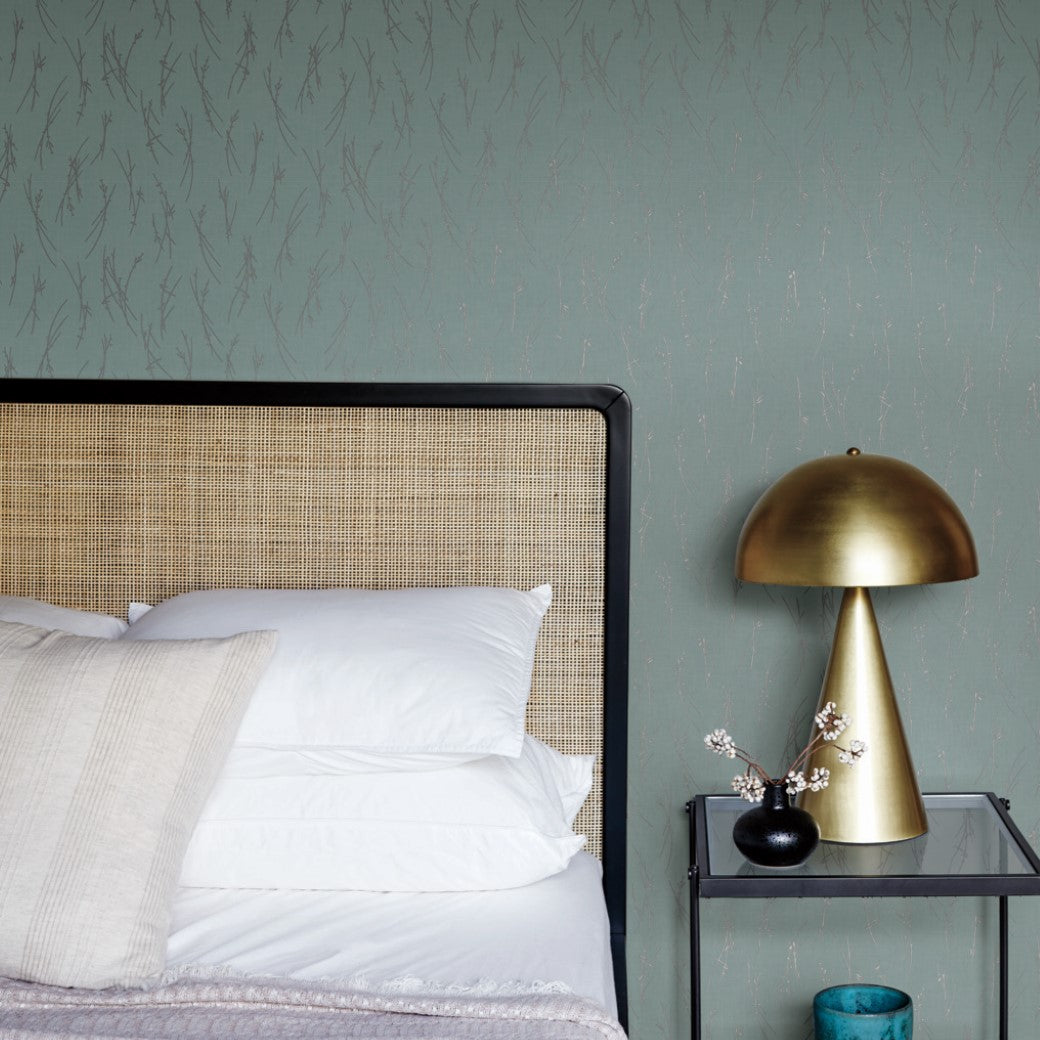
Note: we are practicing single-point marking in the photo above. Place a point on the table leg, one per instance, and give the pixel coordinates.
(1003, 967)
(695, 955)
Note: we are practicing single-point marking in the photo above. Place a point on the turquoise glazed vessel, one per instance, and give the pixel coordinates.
(862, 1012)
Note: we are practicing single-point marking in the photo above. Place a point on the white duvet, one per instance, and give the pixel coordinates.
(552, 936)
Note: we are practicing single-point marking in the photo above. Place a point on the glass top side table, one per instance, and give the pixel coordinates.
(972, 848)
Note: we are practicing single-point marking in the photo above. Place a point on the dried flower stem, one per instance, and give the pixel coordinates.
(829, 721)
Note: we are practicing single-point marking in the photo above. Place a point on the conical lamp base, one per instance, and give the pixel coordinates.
(877, 799)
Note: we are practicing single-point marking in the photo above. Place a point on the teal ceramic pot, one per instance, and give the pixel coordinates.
(861, 1012)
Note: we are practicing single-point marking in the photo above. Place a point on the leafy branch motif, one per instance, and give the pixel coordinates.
(246, 54)
(8, 161)
(57, 323)
(207, 29)
(35, 202)
(78, 57)
(167, 296)
(19, 248)
(32, 314)
(274, 89)
(200, 294)
(312, 75)
(97, 225)
(78, 278)
(115, 66)
(200, 69)
(339, 110)
(292, 225)
(134, 193)
(209, 256)
(32, 91)
(163, 235)
(16, 31)
(115, 290)
(163, 17)
(153, 136)
(317, 165)
(230, 209)
(245, 277)
(312, 303)
(73, 193)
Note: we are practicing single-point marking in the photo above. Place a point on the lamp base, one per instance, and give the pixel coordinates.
(877, 800)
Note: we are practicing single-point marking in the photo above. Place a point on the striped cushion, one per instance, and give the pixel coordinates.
(108, 750)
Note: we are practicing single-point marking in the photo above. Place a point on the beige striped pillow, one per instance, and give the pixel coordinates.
(108, 750)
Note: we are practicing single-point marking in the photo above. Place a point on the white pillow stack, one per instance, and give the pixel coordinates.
(384, 748)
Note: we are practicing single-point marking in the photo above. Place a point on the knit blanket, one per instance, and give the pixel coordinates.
(269, 1009)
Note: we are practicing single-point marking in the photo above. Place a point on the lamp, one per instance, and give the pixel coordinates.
(854, 521)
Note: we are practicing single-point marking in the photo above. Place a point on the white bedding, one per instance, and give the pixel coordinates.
(546, 937)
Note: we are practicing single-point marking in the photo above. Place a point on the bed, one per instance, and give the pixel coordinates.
(495, 515)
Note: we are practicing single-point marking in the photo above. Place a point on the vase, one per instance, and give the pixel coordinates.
(863, 1012)
(776, 833)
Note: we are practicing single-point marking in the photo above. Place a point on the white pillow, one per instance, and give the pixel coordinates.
(109, 750)
(259, 761)
(493, 823)
(27, 611)
(410, 670)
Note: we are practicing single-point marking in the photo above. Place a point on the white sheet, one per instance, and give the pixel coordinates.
(552, 935)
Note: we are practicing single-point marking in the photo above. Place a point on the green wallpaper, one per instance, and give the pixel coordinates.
(783, 226)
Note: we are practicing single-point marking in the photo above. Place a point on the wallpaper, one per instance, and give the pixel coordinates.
(784, 227)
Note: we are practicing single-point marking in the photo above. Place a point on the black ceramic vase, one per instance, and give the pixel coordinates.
(776, 833)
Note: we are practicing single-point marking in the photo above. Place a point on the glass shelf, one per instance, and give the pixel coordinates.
(972, 847)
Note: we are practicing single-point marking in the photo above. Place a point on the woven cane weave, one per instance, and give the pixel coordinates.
(101, 504)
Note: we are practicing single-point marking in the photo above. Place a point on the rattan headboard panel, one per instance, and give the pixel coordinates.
(103, 503)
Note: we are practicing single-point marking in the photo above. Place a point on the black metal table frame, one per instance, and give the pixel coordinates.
(705, 885)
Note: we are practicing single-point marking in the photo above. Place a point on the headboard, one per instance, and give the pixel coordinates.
(112, 491)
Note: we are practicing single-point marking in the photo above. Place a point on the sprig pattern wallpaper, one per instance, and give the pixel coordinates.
(783, 226)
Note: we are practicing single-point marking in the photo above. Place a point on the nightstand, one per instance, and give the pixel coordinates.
(972, 848)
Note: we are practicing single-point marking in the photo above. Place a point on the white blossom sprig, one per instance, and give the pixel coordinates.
(830, 723)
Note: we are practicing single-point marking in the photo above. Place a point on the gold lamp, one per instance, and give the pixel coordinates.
(854, 521)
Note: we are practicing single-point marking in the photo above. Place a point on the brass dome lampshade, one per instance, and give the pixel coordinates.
(856, 521)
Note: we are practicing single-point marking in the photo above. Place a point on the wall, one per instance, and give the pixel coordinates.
(783, 227)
